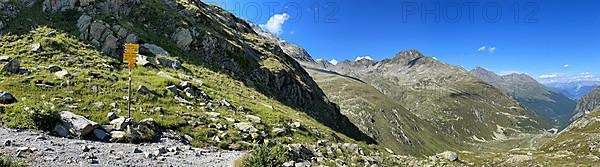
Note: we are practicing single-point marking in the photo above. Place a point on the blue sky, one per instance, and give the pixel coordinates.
(550, 39)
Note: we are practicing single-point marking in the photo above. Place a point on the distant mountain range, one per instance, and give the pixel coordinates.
(553, 107)
(587, 104)
(573, 90)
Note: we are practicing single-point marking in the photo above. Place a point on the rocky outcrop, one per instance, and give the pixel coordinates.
(183, 38)
(587, 104)
(76, 125)
(58, 5)
(7, 98)
(154, 49)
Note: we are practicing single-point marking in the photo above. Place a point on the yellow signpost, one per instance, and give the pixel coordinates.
(129, 56)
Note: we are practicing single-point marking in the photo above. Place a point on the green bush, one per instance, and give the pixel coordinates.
(7, 162)
(266, 156)
(43, 119)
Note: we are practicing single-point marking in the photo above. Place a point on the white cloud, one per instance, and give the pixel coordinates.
(486, 48)
(275, 23)
(292, 32)
(363, 57)
(481, 49)
(566, 66)
(333, 61)
(434, 58)
(319, 60)
(548, 76)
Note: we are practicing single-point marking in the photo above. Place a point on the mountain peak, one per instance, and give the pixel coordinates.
(410, 54)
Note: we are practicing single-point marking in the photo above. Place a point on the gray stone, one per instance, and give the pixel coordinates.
(144, 61)
(111, 116)
(449, 155)
(12, 66)
(131, 38)
(168, 63)
(173, 89)
(7, 142)
(61, 130)
(97, 104)
(58, 5)
(83, 23)
(183, 38)
(137, 150)
(296, 125)
(97, 28)
(101, 134)
(4, 58)
(117, 135)
(246, 127)
(7, 98)
(78, 125)
(86, 149)
(121, 123)
(278, 131)
(154, 49)
(54, 69)
(36, 47)
(254, 119)
(110, 45)
(62, 74)
(145, 91)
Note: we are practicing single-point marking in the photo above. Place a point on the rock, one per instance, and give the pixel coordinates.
(61, 130)
(7, 98)
(254, 119)
(97, 29)
(298, 151)
(110, 45)
(183, 38)
(173, 89)
(449, 155)
(144, 61)
(278, 131)
(97, 104)
(86, 149)
(225, 103)
(322, 143)
(154, 49)
(7, 142)
(246, 127)
(54, 69)
(62, 74)
(168, 63)
(289, 164)
(213, 114)
(121, 123)
(4, 58)
(78, 125)
(517, 159)
(101, 134)
(150, 155)
(133, 133)
(296, 125)
(111, 116)
(83, 23)
(188, 138)
(13, 66)
(36, 47)
(117, 135)
(58, 5)
(137, 150)
(131, 38)
(162, 150)
(145, 91)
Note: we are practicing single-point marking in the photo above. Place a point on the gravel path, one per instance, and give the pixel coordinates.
(38, 149)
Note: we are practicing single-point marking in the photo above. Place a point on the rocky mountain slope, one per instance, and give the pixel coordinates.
(552, 107)
(461, 106)
(587, 104)
(379, 116)
(574, 90)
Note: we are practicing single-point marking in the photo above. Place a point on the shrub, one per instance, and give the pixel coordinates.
(43, 119)
(265, 156)
(7, 162)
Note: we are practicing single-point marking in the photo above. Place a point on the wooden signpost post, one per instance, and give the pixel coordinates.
(129, 56)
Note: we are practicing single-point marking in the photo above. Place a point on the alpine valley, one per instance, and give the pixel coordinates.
(212, 89)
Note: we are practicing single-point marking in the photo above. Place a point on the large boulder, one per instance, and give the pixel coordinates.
(13, 66)
(58, 5)
(449, 155)
(121, 123)
(110, 45)
(154, 49)
(246, 127)
(169, 63)
(83, 23)
(77, 125)
(183, 38)
(7, 98)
